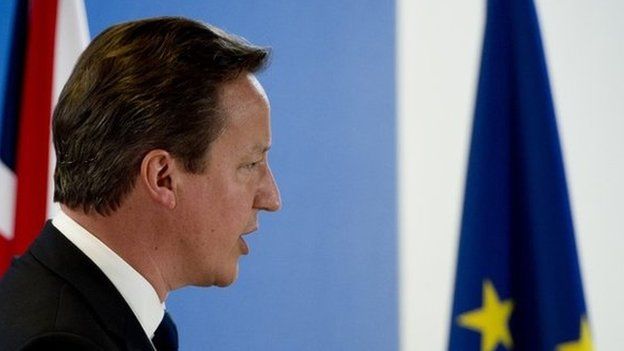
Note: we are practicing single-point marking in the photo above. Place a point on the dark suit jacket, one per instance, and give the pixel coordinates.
(55, 298)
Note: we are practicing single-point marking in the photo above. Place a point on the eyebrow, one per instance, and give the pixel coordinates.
(260, 148)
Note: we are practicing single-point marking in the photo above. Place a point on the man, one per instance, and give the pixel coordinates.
(161, 136)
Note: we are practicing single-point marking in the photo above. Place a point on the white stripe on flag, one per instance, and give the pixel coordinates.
(72, 37)
(7, 202)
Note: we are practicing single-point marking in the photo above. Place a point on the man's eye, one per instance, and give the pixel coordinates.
(252, 165)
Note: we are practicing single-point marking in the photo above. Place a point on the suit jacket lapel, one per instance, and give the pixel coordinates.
(57, 253)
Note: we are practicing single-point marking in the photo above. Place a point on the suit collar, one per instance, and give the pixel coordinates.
(137, 291)
(57, 253)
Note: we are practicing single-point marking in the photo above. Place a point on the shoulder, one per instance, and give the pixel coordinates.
(40, 310)
(29, 291)
(60, 341)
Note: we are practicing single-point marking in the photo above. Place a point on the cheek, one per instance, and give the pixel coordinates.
(234, 215)
(236, 199)
(195, 217)
(220, 206)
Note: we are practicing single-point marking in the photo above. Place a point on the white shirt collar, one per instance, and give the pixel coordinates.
(135, 289)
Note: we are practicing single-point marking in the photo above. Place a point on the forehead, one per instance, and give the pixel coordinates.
(242, 94)
(246, 110)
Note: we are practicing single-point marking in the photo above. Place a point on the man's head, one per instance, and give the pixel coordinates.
(168, 111)
(150, 84)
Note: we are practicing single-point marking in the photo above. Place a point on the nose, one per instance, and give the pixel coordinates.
(268, 196)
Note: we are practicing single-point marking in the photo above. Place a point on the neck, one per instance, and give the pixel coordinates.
(134, 238)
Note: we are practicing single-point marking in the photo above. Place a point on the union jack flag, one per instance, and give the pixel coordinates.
(40, 41)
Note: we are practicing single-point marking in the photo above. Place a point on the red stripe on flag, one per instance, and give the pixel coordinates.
(34, 133)
(5, 254)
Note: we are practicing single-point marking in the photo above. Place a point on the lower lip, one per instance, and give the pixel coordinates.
(243, 246)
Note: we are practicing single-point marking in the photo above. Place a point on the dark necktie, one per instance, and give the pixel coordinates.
(166, 335)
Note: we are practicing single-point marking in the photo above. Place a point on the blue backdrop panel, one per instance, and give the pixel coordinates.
(322, 273)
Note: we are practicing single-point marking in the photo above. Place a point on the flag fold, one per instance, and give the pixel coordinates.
(518, 284)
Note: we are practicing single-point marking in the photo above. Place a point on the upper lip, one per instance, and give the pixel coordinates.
(250, 231)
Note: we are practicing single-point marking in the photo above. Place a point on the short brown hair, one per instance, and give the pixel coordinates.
(139, 86)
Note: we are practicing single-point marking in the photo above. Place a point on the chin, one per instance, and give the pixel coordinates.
(222, 283)
(227, 278)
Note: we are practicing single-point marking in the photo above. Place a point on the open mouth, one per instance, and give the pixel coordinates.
(250, 231)
(243, 245)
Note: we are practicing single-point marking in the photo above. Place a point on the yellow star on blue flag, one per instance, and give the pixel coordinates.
(584, 342)
(491, 320)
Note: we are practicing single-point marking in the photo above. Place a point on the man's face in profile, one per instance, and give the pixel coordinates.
(217, 207)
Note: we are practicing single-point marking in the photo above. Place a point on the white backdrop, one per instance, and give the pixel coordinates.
(439, 47)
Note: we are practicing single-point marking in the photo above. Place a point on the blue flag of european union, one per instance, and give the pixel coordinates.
(518, 284)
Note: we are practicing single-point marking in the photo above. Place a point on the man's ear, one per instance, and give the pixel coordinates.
(158, 169)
